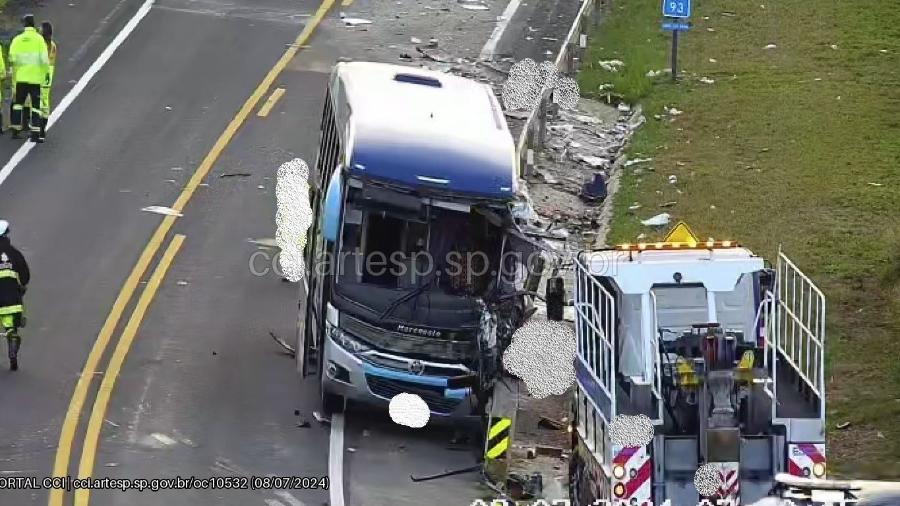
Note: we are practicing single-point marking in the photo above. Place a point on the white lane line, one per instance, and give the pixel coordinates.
(288, 498)
(76, 90)
(336, 460)
(487, 52)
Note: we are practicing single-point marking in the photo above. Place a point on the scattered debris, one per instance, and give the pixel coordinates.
(235, 174)
(525, 488)
(713, 60)
(549, 451)
(595, 191)
(354, 21)
(303, 424)
(611, 65)
(111, 464)
(634, 207)
(842, 425)
(436, 55)
(660, 220)
(656, 73)
(111, 423)
(834, 46)
(706, 80)
(181, 282)
(267, 243)
(289, 349)
(670, 203)
(672, 111)
(164, 439)
(320, 418)
(415, 40)
(770, 46)
(446, 473)
(177, 168)
(590, 120)
(594, 161)
(636, 161)
(549, 423)
(476, 7)
(168, 108)
(875, 184)
(673, 179)
(162, 210)
(351, 449)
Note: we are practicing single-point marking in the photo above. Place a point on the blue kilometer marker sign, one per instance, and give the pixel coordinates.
(677, 8)
(676, 27)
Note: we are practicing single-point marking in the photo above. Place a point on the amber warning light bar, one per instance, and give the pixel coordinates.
(679, 238)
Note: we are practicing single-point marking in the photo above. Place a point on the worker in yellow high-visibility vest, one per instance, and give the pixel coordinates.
(47, 32)
(2, 78)
(30, 63)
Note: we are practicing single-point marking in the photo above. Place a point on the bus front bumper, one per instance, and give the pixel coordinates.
(356, 380)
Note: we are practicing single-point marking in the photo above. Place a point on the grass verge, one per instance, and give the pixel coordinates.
(796, 145)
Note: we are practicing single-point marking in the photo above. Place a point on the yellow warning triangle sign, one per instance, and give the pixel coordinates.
(681, 233)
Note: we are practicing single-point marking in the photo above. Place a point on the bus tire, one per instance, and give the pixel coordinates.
(331, 403)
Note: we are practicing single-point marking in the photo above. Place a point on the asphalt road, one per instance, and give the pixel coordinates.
(202, 390)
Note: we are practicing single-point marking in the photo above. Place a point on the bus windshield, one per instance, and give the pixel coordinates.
(439, 259)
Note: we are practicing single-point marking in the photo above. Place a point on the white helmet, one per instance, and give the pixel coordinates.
(4, 227)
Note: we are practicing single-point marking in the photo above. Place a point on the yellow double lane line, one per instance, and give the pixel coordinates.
(80, 394)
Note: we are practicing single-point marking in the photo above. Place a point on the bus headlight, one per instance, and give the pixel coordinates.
(618, 472)
(819, 470)
(345, 341)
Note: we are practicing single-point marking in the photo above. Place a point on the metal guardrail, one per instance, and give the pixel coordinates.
(567, 62)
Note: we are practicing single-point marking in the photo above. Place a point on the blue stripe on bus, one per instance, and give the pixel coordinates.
(592, 388)
(435, 381)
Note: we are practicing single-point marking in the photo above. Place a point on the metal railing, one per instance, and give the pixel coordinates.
(795, 329)
(567, 62)
(595, 317)
(656, 385)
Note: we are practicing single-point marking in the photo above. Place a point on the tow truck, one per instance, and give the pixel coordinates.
(721, 351)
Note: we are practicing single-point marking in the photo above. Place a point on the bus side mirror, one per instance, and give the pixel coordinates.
(332, 211)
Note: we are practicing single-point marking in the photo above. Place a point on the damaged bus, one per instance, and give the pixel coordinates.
(410, 260)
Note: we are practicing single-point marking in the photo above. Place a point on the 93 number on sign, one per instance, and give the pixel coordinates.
(677, 8)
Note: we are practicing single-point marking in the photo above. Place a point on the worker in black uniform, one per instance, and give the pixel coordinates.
(14, 278)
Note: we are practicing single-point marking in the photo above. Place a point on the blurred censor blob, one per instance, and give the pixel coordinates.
(293, 217)
(409, 410)
(542, 354)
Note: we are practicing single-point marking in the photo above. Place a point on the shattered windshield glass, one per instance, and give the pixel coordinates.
(409, 258)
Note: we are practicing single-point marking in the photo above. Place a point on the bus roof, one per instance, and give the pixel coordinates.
(422, 128)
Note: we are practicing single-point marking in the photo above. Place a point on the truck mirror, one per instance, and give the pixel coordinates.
(767, 278)
(556, 298)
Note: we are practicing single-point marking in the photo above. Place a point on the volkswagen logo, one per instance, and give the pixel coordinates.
(416, 367)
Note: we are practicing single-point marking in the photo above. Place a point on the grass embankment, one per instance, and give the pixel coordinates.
(797, 145)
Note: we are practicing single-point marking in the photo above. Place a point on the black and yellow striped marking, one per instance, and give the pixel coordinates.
(498, 438)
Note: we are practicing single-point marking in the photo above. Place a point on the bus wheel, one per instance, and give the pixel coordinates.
(331, 403)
